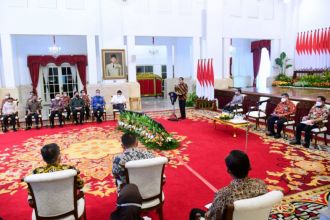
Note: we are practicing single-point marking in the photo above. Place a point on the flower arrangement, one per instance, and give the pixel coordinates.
(226, 116)
(151, 133)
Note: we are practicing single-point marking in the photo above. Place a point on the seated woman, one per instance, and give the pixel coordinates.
(129, 203)
(241, 187)
(51, 155)
(237, 100)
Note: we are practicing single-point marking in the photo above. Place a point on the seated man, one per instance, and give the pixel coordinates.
(281, 113)
(118, 101)
(241, 187)
(9, 110)
(87, 102)
(237, 100)
(131, 152)
(33, 108)
(98, 104)
(66, 103)
(51, 155)
(4, 100)
(77, 105)
(318, 113)
(56, 109)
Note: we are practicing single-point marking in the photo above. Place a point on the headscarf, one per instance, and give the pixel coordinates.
(129, 204)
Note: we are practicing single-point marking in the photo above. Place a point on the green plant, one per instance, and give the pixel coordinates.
(282, 77)
(151, 133)
(282, 63)
(191, 100)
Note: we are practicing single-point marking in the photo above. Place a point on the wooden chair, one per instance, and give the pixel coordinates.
(321, 129)
(148, 175)
(56, 116)
(239, 107)
(258, 112)
(16, 117)
(292, 121)
(257, 208)
(104, 116)
(55, 196)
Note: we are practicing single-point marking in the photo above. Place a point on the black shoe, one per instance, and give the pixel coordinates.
(295, 142)
(61, 125)
(277, 136)
(52, 126)
(14, 129)
(182, 118)
(37, 127)
(81, 123)
(306, 145)
(5, 130)
(270, 133)
(27, 128)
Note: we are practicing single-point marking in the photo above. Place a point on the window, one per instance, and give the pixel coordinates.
(144, 69)
(58, 79)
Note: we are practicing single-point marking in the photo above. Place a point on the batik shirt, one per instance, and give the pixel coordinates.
(118, 166)
(285, 109)
(317, 113)
(86, 100)
(49, 168)
(182, 90)
(238, 189)
(53, 168)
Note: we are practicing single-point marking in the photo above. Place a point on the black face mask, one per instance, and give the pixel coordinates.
(77, 96)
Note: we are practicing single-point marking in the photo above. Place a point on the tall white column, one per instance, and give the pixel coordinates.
(226, 58)
(196, 53)
(131, 58)
(214, 36)
(92, 63)
(7, 61)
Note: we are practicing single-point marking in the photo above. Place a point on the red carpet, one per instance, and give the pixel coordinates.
(91, 147)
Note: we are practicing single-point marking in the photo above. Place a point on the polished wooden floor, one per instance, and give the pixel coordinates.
(294, 93)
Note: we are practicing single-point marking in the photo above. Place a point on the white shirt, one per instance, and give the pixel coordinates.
(118, 99)
(9, 108)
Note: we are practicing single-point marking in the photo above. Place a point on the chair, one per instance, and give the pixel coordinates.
(322, 129)
(16, 117)
(147, 174)
(257, 208)
(239, 107)
(291, 121)
(116, 111)
(258, 112)
(55, 196)
(56, 116)
(104, 116)
(39, 115)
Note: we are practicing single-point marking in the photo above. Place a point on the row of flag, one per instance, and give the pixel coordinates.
(313, 50)
(205, 79)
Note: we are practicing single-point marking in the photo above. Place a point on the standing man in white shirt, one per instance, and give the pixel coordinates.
(118, 101)
(9, 110)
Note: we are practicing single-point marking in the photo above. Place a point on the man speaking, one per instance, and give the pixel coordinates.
(181, 90)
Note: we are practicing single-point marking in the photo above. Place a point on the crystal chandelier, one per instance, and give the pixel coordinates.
(153, 51)
(54, 50)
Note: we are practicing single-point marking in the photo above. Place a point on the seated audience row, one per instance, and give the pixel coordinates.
(79, 105)
(316, 117)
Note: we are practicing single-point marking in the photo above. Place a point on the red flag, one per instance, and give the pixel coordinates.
(307, 43)
(324, 41)
(310, 43)
(297, 43)
(212, 73)
(199, 79)
(315, 42)
(303, 40)
(328, 40)
(202, 73)
(318, 41)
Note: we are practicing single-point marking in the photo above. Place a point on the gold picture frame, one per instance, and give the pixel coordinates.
(113, 64)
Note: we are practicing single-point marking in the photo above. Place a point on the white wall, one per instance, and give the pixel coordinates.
(242, 64)
(25, 45)
(313, 14)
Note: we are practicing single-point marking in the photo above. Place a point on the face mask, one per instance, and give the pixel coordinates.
(57, 98)
(318, 104)
(118, 94)
(236, 93)
(65, 95)
(97, 94)
(77, 96)
(283, 99)
(7, 97)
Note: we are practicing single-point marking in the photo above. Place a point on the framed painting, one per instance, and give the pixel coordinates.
(114, 64)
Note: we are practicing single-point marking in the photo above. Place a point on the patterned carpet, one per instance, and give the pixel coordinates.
(302, 174)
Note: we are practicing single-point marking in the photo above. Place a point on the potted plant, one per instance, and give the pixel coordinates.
(282, 63)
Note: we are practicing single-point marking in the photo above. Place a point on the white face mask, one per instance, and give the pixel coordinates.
(57, 98)
(283, 99)
(7, 97)
(97, 94)
(65, 95)
(318, 104)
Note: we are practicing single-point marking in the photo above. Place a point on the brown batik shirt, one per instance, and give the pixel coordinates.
(182, 90)
(238, 189)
